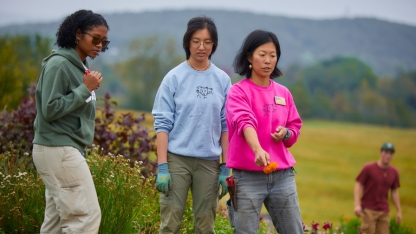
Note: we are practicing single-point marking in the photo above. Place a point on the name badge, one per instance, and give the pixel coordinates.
(279, 101)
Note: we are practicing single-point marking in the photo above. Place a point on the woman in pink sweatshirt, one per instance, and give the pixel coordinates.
(262, 124)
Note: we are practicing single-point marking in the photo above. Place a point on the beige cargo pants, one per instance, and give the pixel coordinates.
(71, 200)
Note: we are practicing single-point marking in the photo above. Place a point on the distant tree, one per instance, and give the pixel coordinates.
(142, 73)
(302, 99)
(20, 64)
(400, 93)
(337, 75)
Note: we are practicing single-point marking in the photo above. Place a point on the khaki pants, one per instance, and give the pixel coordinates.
(71, 200)
(201, 176)
(373, 220)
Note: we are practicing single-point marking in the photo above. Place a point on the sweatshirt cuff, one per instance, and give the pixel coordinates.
(83, 91)
(162, 130)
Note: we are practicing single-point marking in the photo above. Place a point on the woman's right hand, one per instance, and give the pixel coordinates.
(262, 158)
(93, 80)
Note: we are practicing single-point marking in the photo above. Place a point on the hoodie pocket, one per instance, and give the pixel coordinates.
(86, 129)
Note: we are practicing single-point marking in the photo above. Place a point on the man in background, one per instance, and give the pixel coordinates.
(371, 193)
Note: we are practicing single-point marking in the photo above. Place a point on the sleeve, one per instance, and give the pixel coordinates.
(164, 109)
(396, 183)
(56, 100)
(223, 109)
(239, 112)
(293, 123)
(362, 177)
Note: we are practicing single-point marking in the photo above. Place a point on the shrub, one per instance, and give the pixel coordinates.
(353, 227)
(125, 136)
(22, 198)
(128, 202)
(16, 126)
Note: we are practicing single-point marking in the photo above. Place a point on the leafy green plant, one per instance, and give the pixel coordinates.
(128, 201)
(399, 229)
(22, 198)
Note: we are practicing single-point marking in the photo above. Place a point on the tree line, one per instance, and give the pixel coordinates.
(338, 88)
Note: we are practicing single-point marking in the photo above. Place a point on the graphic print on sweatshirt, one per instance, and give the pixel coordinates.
(269, 108)
(203, 92)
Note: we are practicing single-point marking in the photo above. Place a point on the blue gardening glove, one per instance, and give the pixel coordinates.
(163, 179)
(225, 172)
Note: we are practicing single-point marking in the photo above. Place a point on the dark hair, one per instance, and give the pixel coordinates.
(198, 23)
(250, 44)
(83, 20)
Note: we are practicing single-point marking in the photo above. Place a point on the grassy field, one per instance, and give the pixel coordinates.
(329, 157)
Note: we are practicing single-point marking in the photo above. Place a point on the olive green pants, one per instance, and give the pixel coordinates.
(201, 176)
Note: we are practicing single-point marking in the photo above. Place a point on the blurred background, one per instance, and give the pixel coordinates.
(350, 65)
(342, 60)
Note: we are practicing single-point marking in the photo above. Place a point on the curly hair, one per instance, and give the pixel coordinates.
(83, 20)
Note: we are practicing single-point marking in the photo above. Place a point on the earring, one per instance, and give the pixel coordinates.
(249, 66)
(76, 40)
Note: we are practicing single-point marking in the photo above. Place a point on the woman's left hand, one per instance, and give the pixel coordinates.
(279, 134)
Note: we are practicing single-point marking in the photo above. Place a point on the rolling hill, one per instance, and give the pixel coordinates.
(383, 45)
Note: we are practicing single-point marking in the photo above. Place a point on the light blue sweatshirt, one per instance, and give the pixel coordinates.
(190, 107)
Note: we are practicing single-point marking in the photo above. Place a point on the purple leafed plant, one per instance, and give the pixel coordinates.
(124, 135)
(16, 126)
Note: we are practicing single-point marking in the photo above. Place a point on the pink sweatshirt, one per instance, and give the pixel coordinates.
(250, 105)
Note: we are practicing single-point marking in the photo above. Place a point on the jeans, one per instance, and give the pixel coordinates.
(276, 190)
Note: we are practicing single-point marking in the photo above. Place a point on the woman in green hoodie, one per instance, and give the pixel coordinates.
(64, 125)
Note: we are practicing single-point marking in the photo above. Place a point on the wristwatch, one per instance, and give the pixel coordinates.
(287, 135)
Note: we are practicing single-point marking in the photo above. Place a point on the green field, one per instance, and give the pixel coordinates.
(330, 155)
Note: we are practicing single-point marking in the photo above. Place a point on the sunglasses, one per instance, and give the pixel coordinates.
(97, 40)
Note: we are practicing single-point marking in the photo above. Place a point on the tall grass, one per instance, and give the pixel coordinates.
(128, 201)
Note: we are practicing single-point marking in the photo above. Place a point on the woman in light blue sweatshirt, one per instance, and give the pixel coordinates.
(189, 113)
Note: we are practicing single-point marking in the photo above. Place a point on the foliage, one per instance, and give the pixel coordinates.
(16, 126)
(353, 227)
(345, 88)
(142, 74)
(127, 199)
(399, 229)
(350, 227)
(22, 197)
(125, 135)
(20, 64)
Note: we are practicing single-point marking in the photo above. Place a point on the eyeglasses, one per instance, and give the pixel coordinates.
(97, 40)
(206, 45)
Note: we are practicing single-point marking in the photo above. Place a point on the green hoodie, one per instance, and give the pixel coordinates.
(65, 106)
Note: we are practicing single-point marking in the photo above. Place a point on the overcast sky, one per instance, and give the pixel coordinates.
(400, 11)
